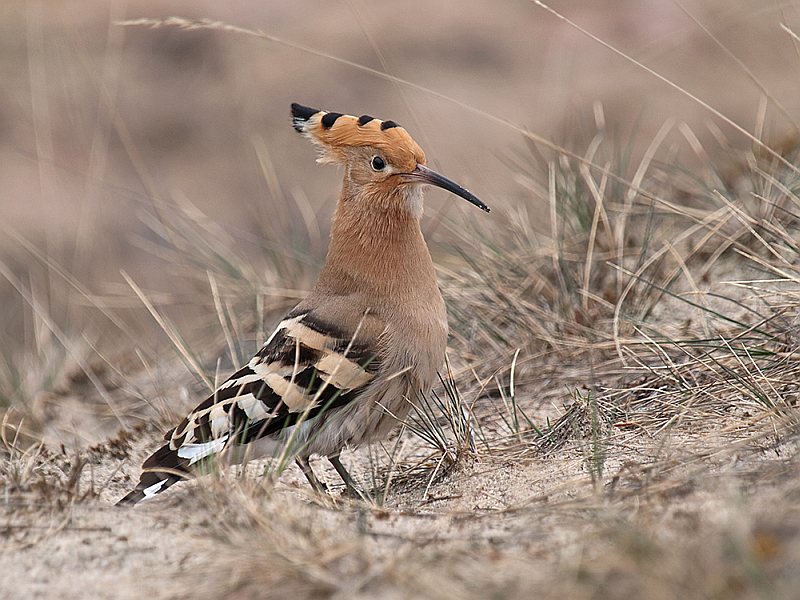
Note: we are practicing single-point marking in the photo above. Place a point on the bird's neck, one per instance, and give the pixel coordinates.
(377, 249)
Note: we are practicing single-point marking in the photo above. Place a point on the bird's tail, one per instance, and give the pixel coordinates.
(162, 469)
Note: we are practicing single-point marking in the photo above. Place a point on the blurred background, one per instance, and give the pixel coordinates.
(103, 127)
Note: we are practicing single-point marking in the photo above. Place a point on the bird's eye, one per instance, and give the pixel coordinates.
(378, 164)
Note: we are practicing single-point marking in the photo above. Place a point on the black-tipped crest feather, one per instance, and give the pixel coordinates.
(329, 119)
(301, 114)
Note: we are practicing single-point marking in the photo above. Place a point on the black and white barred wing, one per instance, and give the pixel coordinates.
(304, 369)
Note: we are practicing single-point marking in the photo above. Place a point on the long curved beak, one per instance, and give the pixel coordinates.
(423, 174)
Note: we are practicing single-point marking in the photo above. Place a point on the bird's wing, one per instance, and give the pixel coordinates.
(306, 367)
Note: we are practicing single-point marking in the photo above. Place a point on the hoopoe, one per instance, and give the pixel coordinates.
(346, 364)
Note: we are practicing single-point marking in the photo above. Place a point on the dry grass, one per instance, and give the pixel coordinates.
(618, 418)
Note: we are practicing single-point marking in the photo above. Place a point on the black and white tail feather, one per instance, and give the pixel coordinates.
(305, 369)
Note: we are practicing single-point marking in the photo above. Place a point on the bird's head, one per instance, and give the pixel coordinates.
(383, 164)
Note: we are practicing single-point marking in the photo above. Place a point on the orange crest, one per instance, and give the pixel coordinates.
(335, 132)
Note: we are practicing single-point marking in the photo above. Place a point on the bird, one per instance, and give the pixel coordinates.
(346, 365)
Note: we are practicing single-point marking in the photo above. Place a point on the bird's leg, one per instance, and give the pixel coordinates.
(352, 488)
(305, 466)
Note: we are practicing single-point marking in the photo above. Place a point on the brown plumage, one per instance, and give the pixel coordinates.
(349, 361)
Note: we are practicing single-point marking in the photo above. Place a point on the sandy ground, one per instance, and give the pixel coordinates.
(510, 519)
(529, 518)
